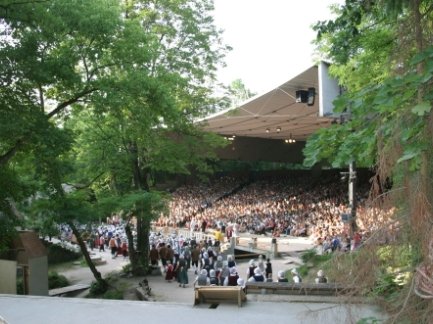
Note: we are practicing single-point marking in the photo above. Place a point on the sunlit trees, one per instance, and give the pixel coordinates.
(101, 94)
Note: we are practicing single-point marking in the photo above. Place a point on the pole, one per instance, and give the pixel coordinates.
(352, 196)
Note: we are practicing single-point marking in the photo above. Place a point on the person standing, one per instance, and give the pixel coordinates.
(170, 254)
(124, 249)
(169, 273)
(195, 256)
(187, 255)
(163, 254)
(181, 271)
(203, 225)
(268, 270)
(154, 256)
(113, 247)
(101, 243)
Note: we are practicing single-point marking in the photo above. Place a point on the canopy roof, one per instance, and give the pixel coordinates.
(277, 114)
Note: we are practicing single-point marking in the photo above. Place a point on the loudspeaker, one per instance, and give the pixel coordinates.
(301, 96)
(311, 95)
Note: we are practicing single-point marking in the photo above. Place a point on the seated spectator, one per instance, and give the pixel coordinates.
(251, 268)
(282, 276)
(321, 277)
(258, 276)
(241, 283)
(202, 279)
(230, 261)
(213, 278)
(232, 279)
(296, 277)
(225, 272)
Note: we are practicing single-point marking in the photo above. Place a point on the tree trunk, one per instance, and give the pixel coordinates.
(132, 252)
(140, 259)
(86, 255)
(143, 241)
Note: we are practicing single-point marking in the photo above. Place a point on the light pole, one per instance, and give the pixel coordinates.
(351, 217)
(352, 196)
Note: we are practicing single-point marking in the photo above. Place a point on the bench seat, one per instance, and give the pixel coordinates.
(68, 289)
(322, 289)
(219, 294)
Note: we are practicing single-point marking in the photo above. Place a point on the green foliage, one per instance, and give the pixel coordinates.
(8, 232)
(312, 260)
(399, 256)
(101, 95)
(113, 294)
(56, 280)
(381, 108)
(57, 254)
(311, 256)
(386, 285)
(97, 288)
(308, 256)
(20, 286)
(127, 268)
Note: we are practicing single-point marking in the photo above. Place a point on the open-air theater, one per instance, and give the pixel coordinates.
(273, 127)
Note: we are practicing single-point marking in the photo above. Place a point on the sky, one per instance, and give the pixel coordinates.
(271, 39)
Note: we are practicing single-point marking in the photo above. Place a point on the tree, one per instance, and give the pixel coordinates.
(146, 124)
(382, 53)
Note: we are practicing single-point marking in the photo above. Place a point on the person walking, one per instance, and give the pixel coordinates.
(113, 247)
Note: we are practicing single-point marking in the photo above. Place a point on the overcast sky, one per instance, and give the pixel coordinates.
(271, 39)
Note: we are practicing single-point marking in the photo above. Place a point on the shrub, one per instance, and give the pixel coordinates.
(97, 288)
(56, 281)
(113, 294)
(20, 286)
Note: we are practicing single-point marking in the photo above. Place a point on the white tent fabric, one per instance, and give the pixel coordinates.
(276, 114)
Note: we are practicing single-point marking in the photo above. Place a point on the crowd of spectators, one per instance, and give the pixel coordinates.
(294, 205)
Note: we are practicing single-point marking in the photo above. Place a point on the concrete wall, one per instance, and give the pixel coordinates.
(38, 276)
(8, 277)
(260, 149)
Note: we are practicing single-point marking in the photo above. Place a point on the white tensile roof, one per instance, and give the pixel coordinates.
(277, 114)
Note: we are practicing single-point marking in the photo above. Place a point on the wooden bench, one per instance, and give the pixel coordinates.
(219, 294)
(322, 289)
(67, 290)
